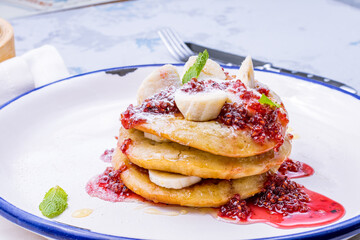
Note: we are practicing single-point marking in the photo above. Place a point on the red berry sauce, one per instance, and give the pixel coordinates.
(295, 169)
(283, 204)
(322, 210)
(161, 103)
(264, 91)
(235, 209)
(125, 145)
(109, 187)
(261, 121)
(107, 155)
(245, 112)
(281, 195)
(195, 86)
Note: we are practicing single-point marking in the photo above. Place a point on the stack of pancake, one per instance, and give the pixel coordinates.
(174, 160)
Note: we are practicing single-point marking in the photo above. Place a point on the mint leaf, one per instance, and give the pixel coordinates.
(195, 70)
(265, 100)
(54, 203)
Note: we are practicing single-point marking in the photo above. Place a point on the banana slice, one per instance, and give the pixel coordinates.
(155, 138)
(172, 180)
(246, 72)
(158, 80)
(210, 70)
(202, 106)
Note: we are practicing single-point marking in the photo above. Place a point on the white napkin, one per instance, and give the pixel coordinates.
(35, 68)
(15, 78)
(46, 65)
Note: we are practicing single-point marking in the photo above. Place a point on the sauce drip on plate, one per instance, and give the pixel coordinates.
(109, 187)
(284, 204)
(295, 169)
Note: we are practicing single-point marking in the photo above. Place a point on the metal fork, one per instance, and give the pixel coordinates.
(175, 45)
(178, 47)
(182, 52)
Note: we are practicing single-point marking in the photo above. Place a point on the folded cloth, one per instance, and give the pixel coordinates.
(15, 78)
(46, 65)
(35, 68)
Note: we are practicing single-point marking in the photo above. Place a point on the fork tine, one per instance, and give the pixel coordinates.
(182, 43)
(168, 44)
(175, 45)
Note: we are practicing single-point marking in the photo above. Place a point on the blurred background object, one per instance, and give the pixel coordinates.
(18, 8)
(33, 69)
(56, 4)
(353, 3)
(7, 48)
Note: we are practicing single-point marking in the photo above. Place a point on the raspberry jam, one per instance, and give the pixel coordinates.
(195, 86)
(295, 169)
(281, 195)
(161, 103)
(243, 112)
(107, 155)
(262, 121)
(109, 187)
(235, 209)
(321, 210)
(283, 204)
(263, 91)
(125, 145)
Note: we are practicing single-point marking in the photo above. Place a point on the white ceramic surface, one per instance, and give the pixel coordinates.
(55, 135)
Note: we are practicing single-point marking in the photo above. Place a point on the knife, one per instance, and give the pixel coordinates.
(228, 58)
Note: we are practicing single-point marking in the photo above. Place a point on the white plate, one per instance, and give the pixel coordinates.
(55, 135)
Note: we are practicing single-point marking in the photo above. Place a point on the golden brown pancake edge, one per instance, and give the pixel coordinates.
(210, 136)
(176, 158)
(207, 193)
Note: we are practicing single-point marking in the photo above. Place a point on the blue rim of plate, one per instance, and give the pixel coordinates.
(59, 230)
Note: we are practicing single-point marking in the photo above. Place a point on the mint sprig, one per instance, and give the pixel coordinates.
(195, 70)
(265, 100)
(54, 203)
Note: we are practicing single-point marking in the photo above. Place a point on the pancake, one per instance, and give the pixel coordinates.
(176, 158)
(207, 193)
(210, 136)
